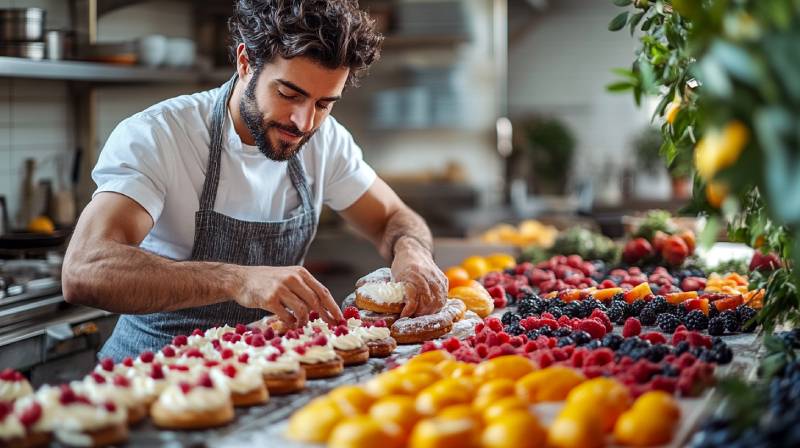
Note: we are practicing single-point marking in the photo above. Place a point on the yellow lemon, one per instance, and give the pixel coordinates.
(500, 262)
(518, 429)
(476, 266)
(41, 224)
(718, 150)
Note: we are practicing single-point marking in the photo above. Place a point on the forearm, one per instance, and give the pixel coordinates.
(404, 227)
(126, 279)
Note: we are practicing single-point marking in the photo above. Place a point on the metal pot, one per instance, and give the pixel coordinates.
(30, 50)
(22, 24)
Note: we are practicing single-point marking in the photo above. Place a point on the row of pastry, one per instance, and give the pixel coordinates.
(192, 383)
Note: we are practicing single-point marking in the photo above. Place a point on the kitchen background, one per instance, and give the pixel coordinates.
(479, 112)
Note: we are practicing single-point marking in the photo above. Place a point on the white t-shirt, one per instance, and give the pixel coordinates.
(159, 158)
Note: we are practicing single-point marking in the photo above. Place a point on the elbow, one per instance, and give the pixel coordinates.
(75, 290)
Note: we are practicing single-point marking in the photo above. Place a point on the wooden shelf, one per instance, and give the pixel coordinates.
(11, 67)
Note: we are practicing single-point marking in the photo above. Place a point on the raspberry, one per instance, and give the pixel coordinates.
(497, 292)
(643, 370)
(547, 316)
(193, 353)
(529, 323)
(544, 358)
(341, 330)
(494, 324)
(292, 334)
(269, 333)
(127, 362)
(452, 344)
(599, 357)
(564, 321)
(516, 341)
(227, 337)
(10, 374)
(240, 329)
(559, 354)
(97, 378)
(301, 350)
(197, 332)
(500, 302)
(248, 339)
(494, 352)
(594, 327)
(482, 350)
(698, 340)
(258, 341)
(31, 414)
(313, 315)
(243, 358)
(685, 361)
(503, 337)
(479, 327)
(226, 353)
(180, 340)
(110, 407)
(379, 323)
(210, 363)
(178, 367)
(664, 383)
(121, 381)
(603, 317)
(428, 346)
(552, 323)
(492, 340)
(107, 364)
(681, 328)
(530, 346)
(351, 312)
(593, 371)
(185, 387)
(632, 327)
(275, 342)
(466, 354)
(230, 370)
(654, 337)
(157, 372)
(272, 357)
(317, 330)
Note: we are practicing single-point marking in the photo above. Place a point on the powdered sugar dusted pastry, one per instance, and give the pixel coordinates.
(80, 422)
(199, 405)
(413, 330)
(13, 385)
(455, 309)
(382, 275)
(388, 297)
(244, 382)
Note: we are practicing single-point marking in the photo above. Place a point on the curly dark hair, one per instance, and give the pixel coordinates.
(335, 33)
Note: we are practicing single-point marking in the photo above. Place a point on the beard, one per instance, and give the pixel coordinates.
(259, 128)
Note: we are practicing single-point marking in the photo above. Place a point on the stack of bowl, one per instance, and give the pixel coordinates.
(22, 32)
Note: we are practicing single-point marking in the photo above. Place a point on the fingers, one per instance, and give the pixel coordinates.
(411, 301)
(297, 306)
(327, 307)
(285, 316)
(424, 295)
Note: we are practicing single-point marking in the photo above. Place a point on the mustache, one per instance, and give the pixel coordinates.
(290, 129)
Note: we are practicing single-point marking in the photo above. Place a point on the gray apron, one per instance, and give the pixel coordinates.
(224, 239)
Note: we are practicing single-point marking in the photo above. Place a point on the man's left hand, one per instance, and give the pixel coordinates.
(427, 286)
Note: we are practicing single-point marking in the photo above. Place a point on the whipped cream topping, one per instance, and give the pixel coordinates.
(147, 387)
(49, 407)
(350, 341)
(100, 393)
(285, 364)
(12, 390)
(81, 417)
(391, 292)
(316, 354)
(11, 428)
(353, 323)
(368, 334)
(197, 399)
(247, 378)
(217, 332)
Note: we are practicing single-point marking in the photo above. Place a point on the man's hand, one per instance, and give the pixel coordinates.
(290, 293)
(427, 285)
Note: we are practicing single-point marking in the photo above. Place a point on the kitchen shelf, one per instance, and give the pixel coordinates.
(11, 67)
(417, 40)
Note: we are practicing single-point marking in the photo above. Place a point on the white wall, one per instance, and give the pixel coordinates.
(560, 68)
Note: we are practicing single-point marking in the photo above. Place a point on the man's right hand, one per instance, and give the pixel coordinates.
(289, 292)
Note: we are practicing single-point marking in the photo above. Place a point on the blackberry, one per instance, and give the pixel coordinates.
(532, 334)
(581, 337)
(639, 353)
(566, 340)
(660, 304)
(746, 316)
(510, 271)
(669, 371)
(635, 308)
(546, 331)
(667, 323)
(616, 314)
(555, 303)
(721, 354)
(527, 294)
(696, 320)
(563, 331)
(572, 309)
(657, 353)
(510, 318)
(556, 312)
(515, 329)
(618, 296)
(589, 305)
(680, 311)
(510, 299)
(716, 326)
(594, 344)
(731, 321)
(612, 341)
(648, 315)
(680, 348)
(712, 312)
(530, 306)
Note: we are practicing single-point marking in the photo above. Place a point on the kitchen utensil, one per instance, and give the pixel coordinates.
(26, 212)
(29, 50)
(152, 50)
(124, 53)
(28, 240)
(60, 44)
(22, 24)
(63, 212)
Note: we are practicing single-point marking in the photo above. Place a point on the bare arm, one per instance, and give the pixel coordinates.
(403, 238)
(104, 268)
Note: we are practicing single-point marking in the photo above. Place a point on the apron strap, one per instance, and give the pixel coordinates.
(211, 183)
(298, 176)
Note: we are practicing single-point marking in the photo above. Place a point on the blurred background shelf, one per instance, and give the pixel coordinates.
(11, 67)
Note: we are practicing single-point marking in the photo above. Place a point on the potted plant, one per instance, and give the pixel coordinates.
(549, 146)
(647, 149)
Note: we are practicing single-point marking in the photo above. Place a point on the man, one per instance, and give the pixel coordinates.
(206, 204)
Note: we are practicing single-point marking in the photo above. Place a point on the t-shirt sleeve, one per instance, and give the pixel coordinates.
(347, 175)
(134, 162)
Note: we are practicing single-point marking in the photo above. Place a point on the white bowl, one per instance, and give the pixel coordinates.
(152, 50)
(180, 52)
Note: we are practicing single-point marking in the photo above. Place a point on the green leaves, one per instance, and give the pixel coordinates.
(623, 2)
(618, 22)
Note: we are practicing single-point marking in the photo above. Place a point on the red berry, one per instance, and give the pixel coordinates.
(698, 340)
(185, 387)
(595, 329)
(180, 340)
(479, 327)
(379, 323)
(121, 381)
(258, 341)
(320, 340)
(482, 350)
(341, 330)
(516, 341)
(500, 302)
(494, 324)
(157, 372)
(632, 327)
(197, 332)
(654, 337)
(178, 367)
(452, 344)
(127, 362)
(603, 317)
(230, 370)
(313, 315)
(107, 364)
(503, 337)
(269, 333)
(97, 378)
(240, 329)
(301, 350)
(9, 374)
(243, 358)
(205, 381)
(193, 353)
(428, 346)
(544, 358)
(210, 363)
(273, 357)
(110, 407)
(226, 353)
(30, 415)
(292, 334)
(351, 312)
(552, 323)
(497, 291)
